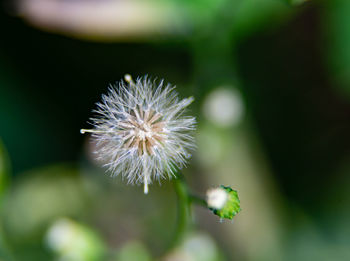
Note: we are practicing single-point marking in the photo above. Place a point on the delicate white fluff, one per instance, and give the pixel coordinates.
(216, 198)
(141, 131)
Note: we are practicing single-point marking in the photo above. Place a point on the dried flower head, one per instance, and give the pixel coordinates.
(141, 131)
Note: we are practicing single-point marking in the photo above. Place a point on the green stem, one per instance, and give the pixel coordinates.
(185, 199)
(198, 200)
(184, 211)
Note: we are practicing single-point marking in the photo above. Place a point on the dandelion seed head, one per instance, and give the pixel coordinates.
(141, 131)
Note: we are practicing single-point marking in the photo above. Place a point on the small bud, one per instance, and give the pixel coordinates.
(223, 201)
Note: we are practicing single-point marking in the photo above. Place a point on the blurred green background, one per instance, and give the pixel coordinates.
(271, 79)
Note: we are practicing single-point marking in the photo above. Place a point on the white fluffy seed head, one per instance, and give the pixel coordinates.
(216, 198)
(141, 131)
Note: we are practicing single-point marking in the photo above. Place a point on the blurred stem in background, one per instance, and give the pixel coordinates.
(238, 160)
(213, 63)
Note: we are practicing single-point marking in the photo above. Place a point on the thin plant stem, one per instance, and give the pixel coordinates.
(185, 200)
(198, 200)
(184, 211)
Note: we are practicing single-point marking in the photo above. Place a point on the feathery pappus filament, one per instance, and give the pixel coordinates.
(141, 131)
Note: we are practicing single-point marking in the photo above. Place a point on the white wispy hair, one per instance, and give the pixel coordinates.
(217, 198)
(141, 131)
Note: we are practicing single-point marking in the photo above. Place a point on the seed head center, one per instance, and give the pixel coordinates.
(144, 130)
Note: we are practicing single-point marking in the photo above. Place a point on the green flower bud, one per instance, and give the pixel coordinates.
(223, 201)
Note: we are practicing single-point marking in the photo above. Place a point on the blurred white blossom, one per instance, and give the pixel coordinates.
(224, 107)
